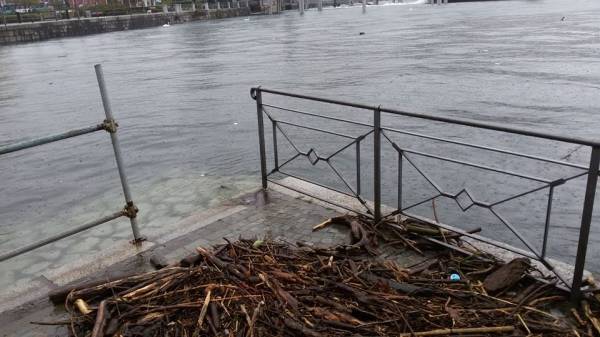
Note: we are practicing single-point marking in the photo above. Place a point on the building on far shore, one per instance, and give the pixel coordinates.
(80, 3)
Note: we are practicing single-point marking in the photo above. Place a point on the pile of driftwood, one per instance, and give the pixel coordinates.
(252, 288)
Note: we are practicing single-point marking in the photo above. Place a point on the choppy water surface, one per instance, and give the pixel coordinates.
(188, 128)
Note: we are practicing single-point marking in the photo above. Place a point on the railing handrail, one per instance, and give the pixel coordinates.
(404, 154)
(458, 121)
(29, 143)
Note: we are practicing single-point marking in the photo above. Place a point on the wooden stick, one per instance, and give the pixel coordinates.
(580, 321)
(204, 308)
(98, 330)
(524, 324)
(83, 307)
(59, 295)
(440, 332)
(321, 225)
(588, 313)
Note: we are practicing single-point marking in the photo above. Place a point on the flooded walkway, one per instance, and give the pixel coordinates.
(279, 214)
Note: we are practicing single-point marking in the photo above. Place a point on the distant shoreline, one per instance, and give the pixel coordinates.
(40, 31)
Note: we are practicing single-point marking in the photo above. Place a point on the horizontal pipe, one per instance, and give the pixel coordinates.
(57, 237)
(317, 99)
(483, 167)
(314, 129)
(319, 116)
(487, 148)
(457, 121)
(49, 139)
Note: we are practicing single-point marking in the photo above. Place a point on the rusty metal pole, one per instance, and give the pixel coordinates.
(130, 208)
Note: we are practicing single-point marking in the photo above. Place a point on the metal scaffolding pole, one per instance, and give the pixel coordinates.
(57, 237)
(131, 210)
(49, 139)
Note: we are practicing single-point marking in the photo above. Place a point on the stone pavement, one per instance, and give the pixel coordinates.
(266, 215)
(278, 214)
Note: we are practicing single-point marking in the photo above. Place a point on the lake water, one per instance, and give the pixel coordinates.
(188, 124)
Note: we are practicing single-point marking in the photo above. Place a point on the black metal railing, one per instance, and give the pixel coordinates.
(406, 155)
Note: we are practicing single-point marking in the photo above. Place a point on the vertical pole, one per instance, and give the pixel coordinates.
(400, 181)
(358, 184)
(320, 5)
(275, 152)
(301, 6)
(377, 163)
(547, 223)
(117, 149)
(364, 6)
(586, 221)
(261, 138)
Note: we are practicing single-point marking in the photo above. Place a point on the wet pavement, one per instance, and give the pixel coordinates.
(279, 214)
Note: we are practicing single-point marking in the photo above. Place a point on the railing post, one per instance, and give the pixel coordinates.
(130, 209)
(547, 222)
(377, 163)
(275, 151)
(358, 183)
(261, 137)
(400, 182)
(586, 221)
